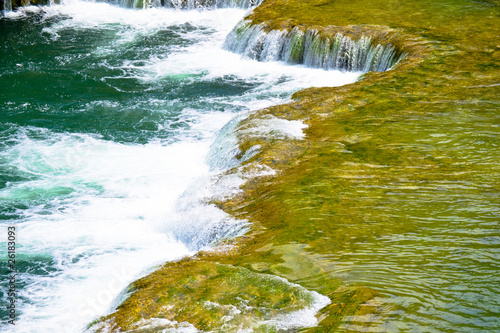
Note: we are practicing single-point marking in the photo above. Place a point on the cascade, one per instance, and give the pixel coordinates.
(135, 3)
(224, 149)
(190, 4)
(7, 6)
(312, 49)
(177, 4)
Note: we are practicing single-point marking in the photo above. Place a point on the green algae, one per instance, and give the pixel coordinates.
(296, 48)
(372, 168)
(213, 296)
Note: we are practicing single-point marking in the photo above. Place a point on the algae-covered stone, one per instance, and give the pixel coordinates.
(215, 297)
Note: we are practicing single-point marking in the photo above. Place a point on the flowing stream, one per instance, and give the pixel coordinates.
(107, 118)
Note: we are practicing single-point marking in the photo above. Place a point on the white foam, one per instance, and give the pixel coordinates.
(301, 318)
(122, 198)
(277, 128)
(97, 15)
(22, 12)
(164, 326)
(273, 77)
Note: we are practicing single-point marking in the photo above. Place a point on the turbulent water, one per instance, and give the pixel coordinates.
(107, 122)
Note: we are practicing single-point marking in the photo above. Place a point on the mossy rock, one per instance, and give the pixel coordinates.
(212, 297)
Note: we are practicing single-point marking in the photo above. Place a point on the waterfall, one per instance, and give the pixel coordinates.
(311, 48)
(135, 3)
(7, 6)
(190, 4)
(177, 4)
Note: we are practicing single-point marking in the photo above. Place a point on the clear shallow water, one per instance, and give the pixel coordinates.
(106, 119)
(439, 266)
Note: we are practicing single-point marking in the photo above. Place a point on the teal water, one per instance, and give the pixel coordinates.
(107, 116)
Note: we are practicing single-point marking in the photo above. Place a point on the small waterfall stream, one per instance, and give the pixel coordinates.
(190, 4)
(7, 6)
(312, 49)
